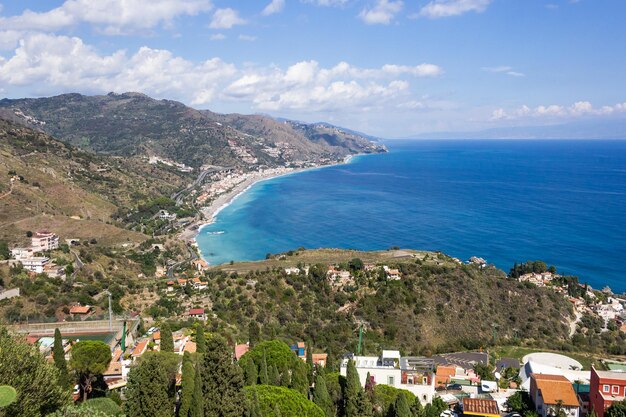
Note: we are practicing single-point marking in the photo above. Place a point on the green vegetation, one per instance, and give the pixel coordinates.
(617, 409)
(59, 360)
(289, 402)
(8, 395)
(147, 389)
(89, 359)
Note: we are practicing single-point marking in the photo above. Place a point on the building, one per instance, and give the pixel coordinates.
(415, 374)
(320, 359)
(140, 349)
(197, 313)
(80, 310)
(299, 349)
(480, 407)
(241, 350)
(200, 265)
(43, 241)
(549, 392)
(36, 264)
(22, 253)
(606, 388)
(166, 215)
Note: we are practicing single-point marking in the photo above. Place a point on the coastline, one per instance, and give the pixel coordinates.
(224, 200)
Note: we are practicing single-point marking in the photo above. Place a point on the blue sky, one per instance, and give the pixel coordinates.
(387, 67)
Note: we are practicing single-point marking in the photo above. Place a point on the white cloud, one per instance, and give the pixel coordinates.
(382, 13)
(505, 70)
(326, 3)
(275, 6)
(446, 8)
(111, 16)
(226, 19)
(578, 109)
(45, 64)
(217, 37)
(248, 38)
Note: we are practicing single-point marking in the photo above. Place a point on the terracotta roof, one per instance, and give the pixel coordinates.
(190, 347)
(140, 348)
(480, 407)
(241, 350)
(170, 282)
(156, 335)
(32, 339)
(116, 355)
(555, 388)
(80, 310)
(181, 281)
(196, 311)
(300, 344)
(319, 357)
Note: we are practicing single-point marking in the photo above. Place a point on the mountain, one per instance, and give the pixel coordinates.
(46, 183)
(584, 129)
(133, 124)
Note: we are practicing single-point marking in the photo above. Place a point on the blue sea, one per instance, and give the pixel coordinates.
(504, 200)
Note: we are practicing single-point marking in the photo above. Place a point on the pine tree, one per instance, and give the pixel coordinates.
(309, 362)
(167, 340)
(401, 407)
(147, 389)
(274, 376)
(253, 333)
(416, 408)
(255, 408)
(186, 394)
(285, 377)
(299, 381)
(197, 402)
(59, 360)
(251, 372)
(364, 406)
(321, 396)
(263, 375)
(222, 381)
(352, 391)
(200, 339)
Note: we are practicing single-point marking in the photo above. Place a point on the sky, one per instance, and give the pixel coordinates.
(391, 68)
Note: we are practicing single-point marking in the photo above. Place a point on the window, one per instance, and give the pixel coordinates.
(605, 388)
(615, 389)
(390, 381)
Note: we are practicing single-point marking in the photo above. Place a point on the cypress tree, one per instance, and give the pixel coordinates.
(274, 376)
(251, 372)
(147, 389)
(299, 381)
(167, 340)
(222, 381)
(197, 402)
(309, 362)
(255, 408)
(59, 360)
(352, 391)
(364, 406)
(200, 338)
(186, 394)
(400, 407)
(263, 375)
(285, 378)
(253, 333)
(321, 396)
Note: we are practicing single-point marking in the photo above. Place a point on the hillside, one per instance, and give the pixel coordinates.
(133, 124)
(45, 183)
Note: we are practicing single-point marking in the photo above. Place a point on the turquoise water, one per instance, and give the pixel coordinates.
(506, 201)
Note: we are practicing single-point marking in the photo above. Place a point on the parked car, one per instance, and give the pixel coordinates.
(455, 387)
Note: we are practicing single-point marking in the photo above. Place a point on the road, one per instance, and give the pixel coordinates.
(192, 257)
(178, 196)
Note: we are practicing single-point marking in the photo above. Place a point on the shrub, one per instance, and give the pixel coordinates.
(290, 403)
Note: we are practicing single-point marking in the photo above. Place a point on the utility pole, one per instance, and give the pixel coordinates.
(110, 312)
(360, 339)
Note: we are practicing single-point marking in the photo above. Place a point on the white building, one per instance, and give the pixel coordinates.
(414, 374)
(43, 241)
(22, 253)
(35, 264)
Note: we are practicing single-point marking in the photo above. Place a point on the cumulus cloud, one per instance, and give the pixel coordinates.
(55, 63)
(226, 19)
(446, 8)
(326, 3)
(275, 6)
(504, 69)
(579, 108)
(381, 13)
(111, 16)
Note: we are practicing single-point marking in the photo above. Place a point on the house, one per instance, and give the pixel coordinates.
(392, 274)
(22, 253)
(299, 349)
(54, 271)
(549, 392)
(44, 241)
(190, 347)
(140, 349)
(160, 272)
(241, 350)
(200, 265)
(444, 374)
(166, 215)
(415, 374)
(199, 285)
(292, 271)
(480, 407)
(182, 282)
(533, 367)
(156, 336)
(197, 313)
(320, 359)
(80, 310)
(170, 286)
(36, 264)
(606, 388)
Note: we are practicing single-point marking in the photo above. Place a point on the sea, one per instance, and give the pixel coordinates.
(507, 201)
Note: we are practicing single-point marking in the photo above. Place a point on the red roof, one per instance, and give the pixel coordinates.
(481, 407)
(80, 310)
(140, 348)
(196, 311)
(170, 282)
(241, 350)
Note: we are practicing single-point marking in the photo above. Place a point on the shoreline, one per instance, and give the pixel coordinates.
(210, 212)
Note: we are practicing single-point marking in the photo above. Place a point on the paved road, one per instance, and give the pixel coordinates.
(192, 256)
(178, 196)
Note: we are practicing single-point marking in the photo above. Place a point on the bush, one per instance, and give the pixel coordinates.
(276, 353)
(290, 403)
(385, 396)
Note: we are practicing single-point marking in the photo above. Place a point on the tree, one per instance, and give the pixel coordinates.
(309, 362)
(263, 374)
(167, 340)
(484, 371)
(364, 405)
(285, 377)
(520, 402)
(197, 402)
(352, 391)
(299, 381)
(401, 407)
(254, 333)
(39, 391)
(200, 338)
(222, 381)
(187, 382)
(251, 373)
(321, 396)
(617, 409)
(58, 354)
(90, 358)
(284, 400)
(147, 389)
